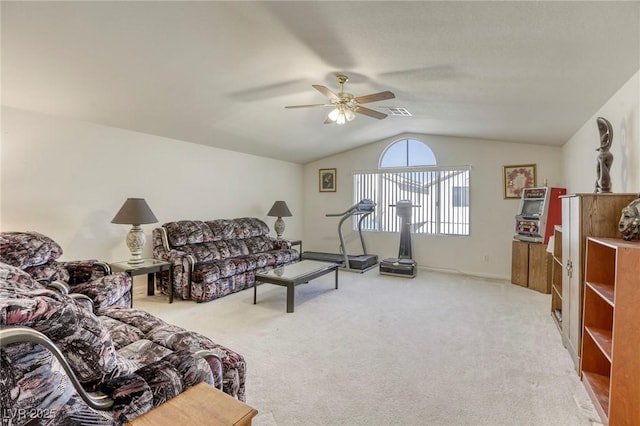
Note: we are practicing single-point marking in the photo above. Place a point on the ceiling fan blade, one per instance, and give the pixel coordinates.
(375, 97)
(370, 112)
(325, 91)
(308, 106)
(329, 121)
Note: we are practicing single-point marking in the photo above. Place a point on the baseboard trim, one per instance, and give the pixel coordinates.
(465, 273)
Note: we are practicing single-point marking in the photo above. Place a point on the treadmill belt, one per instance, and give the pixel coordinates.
(363, 261)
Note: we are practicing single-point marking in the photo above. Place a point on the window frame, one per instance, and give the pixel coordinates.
(384, 223)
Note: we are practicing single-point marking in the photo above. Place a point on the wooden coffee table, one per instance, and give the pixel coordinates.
(201, 404)
(294, 274)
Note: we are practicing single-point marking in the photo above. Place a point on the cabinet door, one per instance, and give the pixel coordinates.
(539, 267)
(575, 279)
(566, 257)
(572, 276)
(520, 262)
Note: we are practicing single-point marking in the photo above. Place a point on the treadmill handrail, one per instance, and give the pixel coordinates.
(364, 248)
(342, 244)
(356, 213)
(363, 206)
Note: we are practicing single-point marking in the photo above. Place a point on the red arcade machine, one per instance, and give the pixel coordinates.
(539, 211)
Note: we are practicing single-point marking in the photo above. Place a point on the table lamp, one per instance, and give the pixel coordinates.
(279, 210)
(135, 212)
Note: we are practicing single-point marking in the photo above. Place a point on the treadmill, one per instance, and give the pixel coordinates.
(353, 263)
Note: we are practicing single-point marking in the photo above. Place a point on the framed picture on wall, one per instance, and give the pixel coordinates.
(327, 180)
(516, 178)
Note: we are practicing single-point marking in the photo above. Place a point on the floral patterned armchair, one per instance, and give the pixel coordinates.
(38, 255)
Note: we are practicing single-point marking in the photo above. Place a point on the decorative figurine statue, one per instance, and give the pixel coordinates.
(629, 224)
(605, 158)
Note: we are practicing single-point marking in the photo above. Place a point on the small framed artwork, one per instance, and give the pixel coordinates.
(516, 178)
(327, 180)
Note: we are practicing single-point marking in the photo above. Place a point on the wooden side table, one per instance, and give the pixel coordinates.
(148, 267)
(200, 405)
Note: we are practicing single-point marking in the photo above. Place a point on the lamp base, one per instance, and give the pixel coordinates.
(135, 241)
(279, 227)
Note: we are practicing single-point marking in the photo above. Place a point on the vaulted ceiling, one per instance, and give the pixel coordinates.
(220, 73)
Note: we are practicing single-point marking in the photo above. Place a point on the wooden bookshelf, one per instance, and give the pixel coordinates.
(610, 363)
(583, 215)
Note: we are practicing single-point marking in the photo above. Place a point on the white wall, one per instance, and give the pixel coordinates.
(579, 153)
(67, 179)
(487, 252)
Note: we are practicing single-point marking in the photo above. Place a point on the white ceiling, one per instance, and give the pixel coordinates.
(220, 73)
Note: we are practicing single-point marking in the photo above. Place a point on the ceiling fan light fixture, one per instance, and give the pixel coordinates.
(333, 115)
(349, 114)
(345, 105)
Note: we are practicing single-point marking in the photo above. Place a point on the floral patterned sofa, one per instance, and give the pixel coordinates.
(66, 361)
(214, 258)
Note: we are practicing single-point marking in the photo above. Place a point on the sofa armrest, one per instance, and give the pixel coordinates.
(182, 264)
(281, 244)
(82, 271)
(10, 335)
(84, 301)
(209, 356)
(58, 285)
(110, 290)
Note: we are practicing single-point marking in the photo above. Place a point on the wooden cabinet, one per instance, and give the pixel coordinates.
(610, 363)
(556, 278)
(583, 215)
(531, 265)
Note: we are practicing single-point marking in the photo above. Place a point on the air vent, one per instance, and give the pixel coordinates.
(399, 111)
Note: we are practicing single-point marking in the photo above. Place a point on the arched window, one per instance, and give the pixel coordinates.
(408, 171)
(407, 153)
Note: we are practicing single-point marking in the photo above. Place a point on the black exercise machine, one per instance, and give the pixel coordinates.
(359, 263)
(403, 265)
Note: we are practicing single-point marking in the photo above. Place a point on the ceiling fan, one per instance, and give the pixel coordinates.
(346, 105)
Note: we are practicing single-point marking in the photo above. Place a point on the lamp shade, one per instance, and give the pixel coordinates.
(134, 211)
(279, 209)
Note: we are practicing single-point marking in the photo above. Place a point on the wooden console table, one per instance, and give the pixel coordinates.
(200, 405)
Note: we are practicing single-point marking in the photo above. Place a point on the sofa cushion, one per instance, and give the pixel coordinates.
(185, 232)
(110, 290)
(237, 229)
(237, 248)
(259, 244)
(143, 352)
(222, 229)
(16, 277)
(122, 334)
(247, 227)
(49, 272)
(24, 249)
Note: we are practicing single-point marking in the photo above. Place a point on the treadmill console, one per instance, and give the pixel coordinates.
(365, 205)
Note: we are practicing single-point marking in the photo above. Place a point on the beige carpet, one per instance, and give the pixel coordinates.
(439, 349)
